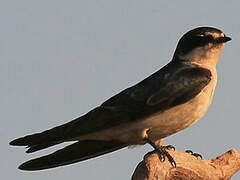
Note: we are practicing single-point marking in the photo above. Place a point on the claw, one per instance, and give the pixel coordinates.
(169, 147)
(162, 153)
(197, 155)
(161, 157)
(194, 154)
(173, 163)
(189, 151)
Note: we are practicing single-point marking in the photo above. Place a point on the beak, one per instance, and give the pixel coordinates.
(222, 39)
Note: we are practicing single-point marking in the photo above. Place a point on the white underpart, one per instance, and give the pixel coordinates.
(163, 124)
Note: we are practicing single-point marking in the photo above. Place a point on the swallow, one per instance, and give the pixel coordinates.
(168, 101)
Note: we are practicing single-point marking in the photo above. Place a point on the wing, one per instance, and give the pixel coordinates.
(174, 84)
(124, 107)
(184, 86)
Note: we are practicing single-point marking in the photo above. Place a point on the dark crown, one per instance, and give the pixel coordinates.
(199, 37)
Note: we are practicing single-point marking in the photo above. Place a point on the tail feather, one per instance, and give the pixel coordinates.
(46, 138)
(95, 120)
(38, 147)
(76, 152)
(36, 142)
(51, 135)
(25, 141)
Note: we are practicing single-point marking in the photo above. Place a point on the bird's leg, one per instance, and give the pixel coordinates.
(161, 151)
(194, 154)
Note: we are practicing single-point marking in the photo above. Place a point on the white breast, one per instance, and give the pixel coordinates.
(161, 124)
(180, 117)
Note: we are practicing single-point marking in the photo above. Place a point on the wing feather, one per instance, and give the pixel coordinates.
(174, 84)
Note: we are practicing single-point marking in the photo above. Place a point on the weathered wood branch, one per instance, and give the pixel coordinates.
(188, 167)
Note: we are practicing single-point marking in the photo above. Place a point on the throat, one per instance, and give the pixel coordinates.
(202, 56)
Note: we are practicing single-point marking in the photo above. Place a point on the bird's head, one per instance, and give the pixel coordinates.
(201, 45)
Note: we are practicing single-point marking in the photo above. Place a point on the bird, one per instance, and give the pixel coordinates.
(168, 101)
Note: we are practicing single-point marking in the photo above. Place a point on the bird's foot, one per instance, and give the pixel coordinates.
(171, 147)
(162, 152)
(194, 154)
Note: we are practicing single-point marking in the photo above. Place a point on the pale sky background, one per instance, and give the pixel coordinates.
(59, 59)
